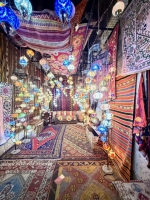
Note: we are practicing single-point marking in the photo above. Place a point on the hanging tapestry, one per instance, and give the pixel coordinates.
(6, 98)
(135, 24)
(106, 76)
(122, 109)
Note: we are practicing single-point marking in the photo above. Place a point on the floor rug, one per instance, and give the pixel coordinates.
(82, 181)
(47, 145)
(25, 179)
(77, 147)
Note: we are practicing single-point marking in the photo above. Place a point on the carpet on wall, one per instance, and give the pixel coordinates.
(47, 145)
(25, 179)
(82, 180)
(76, 146)
(122, 109)
(135, 25)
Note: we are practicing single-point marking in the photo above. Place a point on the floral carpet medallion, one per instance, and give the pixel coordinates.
(83, 181)
(77, 147)
(47, 145)
(22, 180)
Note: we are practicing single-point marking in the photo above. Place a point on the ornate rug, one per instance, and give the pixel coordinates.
(48, 145)
(76, 146)
(135, 29)
(122, 109)
(22, 180)
(82, 180)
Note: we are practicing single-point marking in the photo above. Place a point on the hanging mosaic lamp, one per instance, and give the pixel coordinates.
(43, 61)
(71, 67)
(71, 58)
(24, 7)
(97, 95)
(14, 78)
(66, 63)
(7, 16)
(46, 67)
(23, 61)
(30, 53)
(95, 67)
(102, 129)
(64, 9)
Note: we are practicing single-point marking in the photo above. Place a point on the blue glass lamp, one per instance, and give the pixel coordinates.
(95, 67)
(64, 9)
(25, 7)
(7, 16)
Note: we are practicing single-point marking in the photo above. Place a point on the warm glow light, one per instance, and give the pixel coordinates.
(118, 8)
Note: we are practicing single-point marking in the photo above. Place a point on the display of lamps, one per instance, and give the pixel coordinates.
(7, 16)
(24, 7)
(118, 8)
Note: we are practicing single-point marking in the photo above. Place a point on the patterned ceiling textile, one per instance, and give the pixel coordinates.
(106, 77)
(135, 24)
(6, 94)
(57, 59)
(122, 109)
(45, 32)
(82, 180)
(29, 179)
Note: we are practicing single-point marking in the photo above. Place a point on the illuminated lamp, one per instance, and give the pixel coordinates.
(18, 110)
(88, 80)
(14, 78)
(90, 111)
(106, 146)
(60, 79)
(95, 67)
(103, 138)
(24, 7)
(97, 95)
(138, 119)
(18, 142)
(118, 8)
(14, 115)
(18, 84)
(18, 124)
(28, 127)
(43, 61)
(105, 106)
(108, 115)
(23, 61)
(30, 53)
(71, 58)
(93, 87)
(21, 115)
(66, 63)
(71, 67)
(46, 67)
(23, 105)
(64, 9)
(103, 89)
(106, 123)
(50, 75)
(112, 69)
(91, 73)
(102, 129)
(17, 99)
(111, 154)
(13, 129)
(8, 17)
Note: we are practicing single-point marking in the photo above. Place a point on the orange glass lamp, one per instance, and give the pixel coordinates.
(30, 53)
(111, 154)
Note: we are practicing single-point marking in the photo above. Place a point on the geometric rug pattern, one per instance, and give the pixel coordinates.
(83, 180)
(22, 179)
(47, 145)
(77, 147)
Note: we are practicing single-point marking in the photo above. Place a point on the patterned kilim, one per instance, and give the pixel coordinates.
(77, 147)
(82, 180)
(48, 145)
(6, 106)
(135, 24)
(107, 61)
(22, 180)
(122, 109)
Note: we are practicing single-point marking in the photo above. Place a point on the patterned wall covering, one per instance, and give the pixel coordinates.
(106, 77)
(122, 108)
(6, 106)
(135, 24)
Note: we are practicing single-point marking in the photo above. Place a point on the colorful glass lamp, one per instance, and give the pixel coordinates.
(25, 7)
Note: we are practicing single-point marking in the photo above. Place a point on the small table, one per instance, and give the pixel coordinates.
(133, 190)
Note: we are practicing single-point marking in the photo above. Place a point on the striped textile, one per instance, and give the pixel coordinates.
(122, 109)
